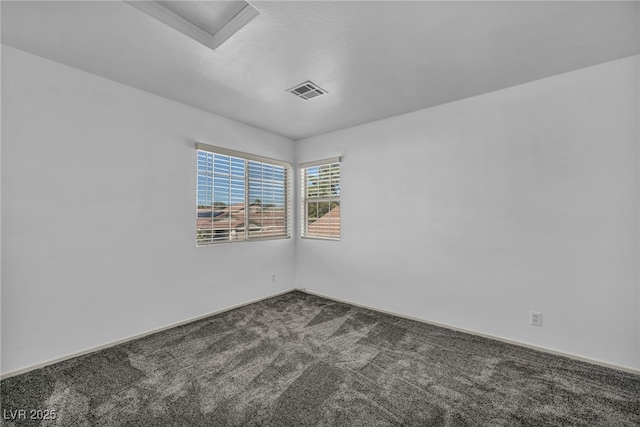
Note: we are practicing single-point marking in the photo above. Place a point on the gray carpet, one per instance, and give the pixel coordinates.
(301, 360)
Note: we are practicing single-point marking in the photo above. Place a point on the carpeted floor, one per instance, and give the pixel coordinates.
(300, 360)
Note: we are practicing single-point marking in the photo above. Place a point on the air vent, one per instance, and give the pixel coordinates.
(307, 90)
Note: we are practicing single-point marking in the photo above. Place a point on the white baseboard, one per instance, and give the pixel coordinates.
(442, 325)
(481, 334)
(133, 337)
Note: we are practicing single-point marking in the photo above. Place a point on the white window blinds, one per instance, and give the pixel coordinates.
(321, 199)
(241, 196)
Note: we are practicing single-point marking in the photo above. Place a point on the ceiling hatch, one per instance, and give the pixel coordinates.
(307, 90)
(208, 22)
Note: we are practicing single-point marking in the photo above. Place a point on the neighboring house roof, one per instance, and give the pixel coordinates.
(328, 225)
(235, 208)
(233, 218)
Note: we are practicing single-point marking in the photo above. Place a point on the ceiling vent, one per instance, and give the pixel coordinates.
(307, 90)
(208, 22)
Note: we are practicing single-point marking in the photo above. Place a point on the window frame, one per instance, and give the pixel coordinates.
(305, 199)
(247, 158)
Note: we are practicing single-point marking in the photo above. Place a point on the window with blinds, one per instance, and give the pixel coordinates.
(321, 199)
(241, 196)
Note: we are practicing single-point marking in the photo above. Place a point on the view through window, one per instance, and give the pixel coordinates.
(321, 199)
(240, 196)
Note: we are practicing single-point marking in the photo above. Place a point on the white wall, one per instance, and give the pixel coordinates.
(476, 212)
(522, 199)
(98, 213)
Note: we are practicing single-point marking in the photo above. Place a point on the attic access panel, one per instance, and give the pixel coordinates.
(208, 22)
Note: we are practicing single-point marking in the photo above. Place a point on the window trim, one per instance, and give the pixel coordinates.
(328, 161)
(247, 157)
(304, 199)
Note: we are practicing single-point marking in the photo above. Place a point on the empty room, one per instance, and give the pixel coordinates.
(320, 213)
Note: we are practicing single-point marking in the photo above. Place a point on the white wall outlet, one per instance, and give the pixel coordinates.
(273, 278)
(535, 318)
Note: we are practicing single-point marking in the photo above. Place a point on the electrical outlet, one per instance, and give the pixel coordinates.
(535, 318)
(273, 278)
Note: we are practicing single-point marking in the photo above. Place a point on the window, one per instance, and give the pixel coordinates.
(321, 199)
(241, 196)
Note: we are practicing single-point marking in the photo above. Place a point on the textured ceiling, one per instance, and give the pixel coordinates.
(376, 59)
